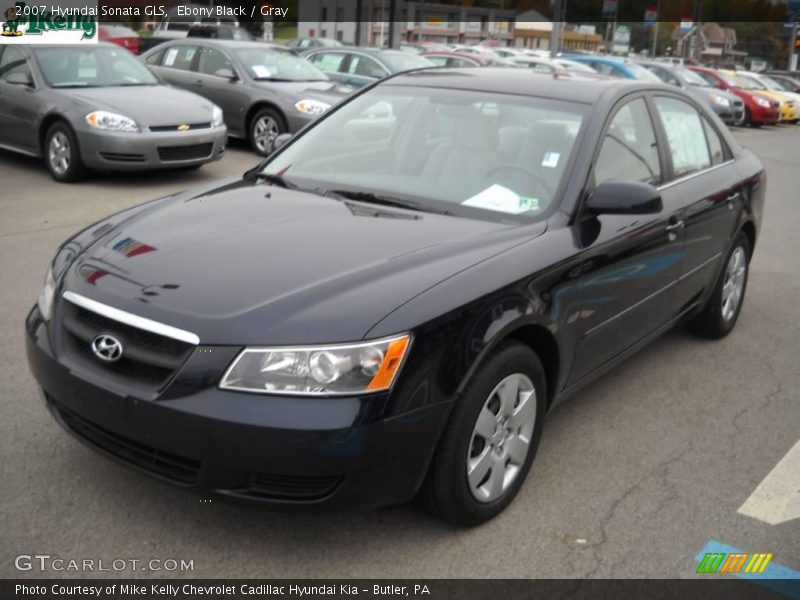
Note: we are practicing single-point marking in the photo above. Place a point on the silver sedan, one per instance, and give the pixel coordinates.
(97, 107)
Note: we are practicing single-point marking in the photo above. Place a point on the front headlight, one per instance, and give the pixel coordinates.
(763, 102)
(102, 119)
(360, 368)
(312, 107)
(720, 100)
(216, 116)
(45, 302)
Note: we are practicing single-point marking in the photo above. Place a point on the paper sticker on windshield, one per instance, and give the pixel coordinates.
(497, 198)
(261, 71)
(169, 59)
(551, 159)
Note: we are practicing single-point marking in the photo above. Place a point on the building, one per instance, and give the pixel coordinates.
(414, 22)
(707, 43)
(532, 30)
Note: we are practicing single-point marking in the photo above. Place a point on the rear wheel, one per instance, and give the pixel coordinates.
(61, 153)
(490, 440)
(722, 309)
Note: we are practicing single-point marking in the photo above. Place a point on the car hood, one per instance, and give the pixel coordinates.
(328, 91)
(253, 264)
(149, 106)
(707, 92)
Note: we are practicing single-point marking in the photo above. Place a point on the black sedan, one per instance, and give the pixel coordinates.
(389, 305)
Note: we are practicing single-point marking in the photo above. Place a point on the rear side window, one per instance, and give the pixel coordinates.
(686, 135)
(213, 62)
(629, 151)
(366, 67)
(179, 57)
(329, 62)
(155, 58)
(716, 146)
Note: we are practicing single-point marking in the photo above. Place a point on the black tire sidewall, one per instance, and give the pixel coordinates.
(710, 321)
(453, 498)
(271, 112)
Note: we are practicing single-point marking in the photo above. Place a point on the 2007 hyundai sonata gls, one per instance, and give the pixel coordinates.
(389, 305)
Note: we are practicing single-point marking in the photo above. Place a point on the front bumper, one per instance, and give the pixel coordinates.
(326, 452)
(760, 114)
(151, 150)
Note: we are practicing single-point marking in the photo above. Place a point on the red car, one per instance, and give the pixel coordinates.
(120, 35)
(758, 109)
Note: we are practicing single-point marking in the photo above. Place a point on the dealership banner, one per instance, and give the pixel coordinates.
(54, 21)
(421, 589)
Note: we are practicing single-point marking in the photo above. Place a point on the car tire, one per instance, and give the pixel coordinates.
(265, 126)
(719, 316)
(62, 154)
(746, 118)
(477, 437)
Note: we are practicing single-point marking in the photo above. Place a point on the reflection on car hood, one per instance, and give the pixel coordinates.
(257, 264)
(329, 91)
(148, 105)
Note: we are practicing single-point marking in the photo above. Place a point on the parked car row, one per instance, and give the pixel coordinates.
(83, 108)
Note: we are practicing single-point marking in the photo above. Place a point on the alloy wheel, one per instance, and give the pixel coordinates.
(501, 437)
(59, 152)
(733, 287)
(265, 131)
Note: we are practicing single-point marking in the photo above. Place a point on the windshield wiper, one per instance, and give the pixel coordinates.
(278, 180)
(371, 198)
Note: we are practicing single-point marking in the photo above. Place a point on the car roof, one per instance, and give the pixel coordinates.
(575, 88)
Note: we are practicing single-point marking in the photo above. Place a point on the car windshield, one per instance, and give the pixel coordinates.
(461, 152)
(771, 84)
(405, 61)
(642, 73)
(740, 81)
(91, 66)
(265, 64)
(691, 77)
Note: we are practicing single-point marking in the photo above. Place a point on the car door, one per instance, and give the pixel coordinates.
(212, 80)
(178, 64)
(19, 103)
(705, 181)
(629, 269)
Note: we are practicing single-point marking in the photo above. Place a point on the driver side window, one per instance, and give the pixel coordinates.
(629, 151)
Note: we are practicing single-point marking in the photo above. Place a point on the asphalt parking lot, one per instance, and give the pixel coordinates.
(635, 475)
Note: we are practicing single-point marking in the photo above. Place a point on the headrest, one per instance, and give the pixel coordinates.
(471, 128)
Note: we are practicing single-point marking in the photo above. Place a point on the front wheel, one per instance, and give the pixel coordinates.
(266, 125)
(62, 155)
(490, 440)
(722, 309)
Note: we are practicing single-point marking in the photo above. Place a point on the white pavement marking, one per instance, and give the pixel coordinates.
(777, 498)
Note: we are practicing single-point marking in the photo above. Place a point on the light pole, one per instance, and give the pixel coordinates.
(555, 33)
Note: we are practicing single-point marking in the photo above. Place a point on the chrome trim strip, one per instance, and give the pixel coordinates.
(669, 184)
(122, 316)
(593, 330)
(702, 265)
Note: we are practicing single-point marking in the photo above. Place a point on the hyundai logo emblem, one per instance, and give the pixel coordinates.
(107, 348)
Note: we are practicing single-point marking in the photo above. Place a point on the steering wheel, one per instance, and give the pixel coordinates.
(532, 174)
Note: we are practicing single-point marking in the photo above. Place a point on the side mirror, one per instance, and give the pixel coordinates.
(226, 73)
(615, 197)
(20, 78)
(281, 140)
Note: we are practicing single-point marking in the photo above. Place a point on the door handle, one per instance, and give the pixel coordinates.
(675, 225)
(733, 197)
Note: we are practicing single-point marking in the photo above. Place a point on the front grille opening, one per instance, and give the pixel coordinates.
(291, 487)
(120, 157)
(191, 127)
(170, 466)
(177, 153)
(148, 360)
